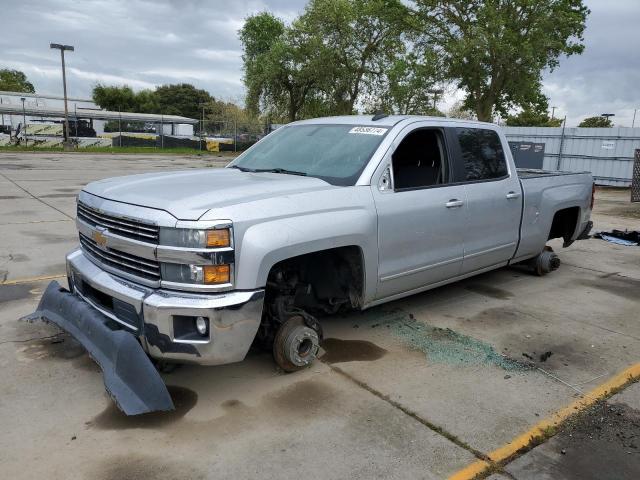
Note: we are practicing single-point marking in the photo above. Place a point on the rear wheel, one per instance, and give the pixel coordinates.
(296, 345)
(547, 261)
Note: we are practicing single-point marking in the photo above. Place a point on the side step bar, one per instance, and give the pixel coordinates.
(129, 376)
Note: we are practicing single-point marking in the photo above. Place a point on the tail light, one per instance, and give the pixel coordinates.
(593, 195)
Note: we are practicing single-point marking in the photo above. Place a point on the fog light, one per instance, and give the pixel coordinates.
(201, 325)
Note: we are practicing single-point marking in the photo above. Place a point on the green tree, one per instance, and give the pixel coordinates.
(412, 85)
(532, 118)
(496, 50)
(182, 99)
(15, 81)
(362, 39)
(115, 98)
(282, 66)
(596, 122)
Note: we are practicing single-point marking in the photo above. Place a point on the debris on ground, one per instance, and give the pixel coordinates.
(545, 356)
(443, 345)
(626, 238)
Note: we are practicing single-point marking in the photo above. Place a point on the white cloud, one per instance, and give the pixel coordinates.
(144, 43)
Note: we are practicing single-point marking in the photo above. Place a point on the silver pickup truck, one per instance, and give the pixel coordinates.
(319, 217)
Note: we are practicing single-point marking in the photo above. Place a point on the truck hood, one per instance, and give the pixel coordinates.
(187, 195)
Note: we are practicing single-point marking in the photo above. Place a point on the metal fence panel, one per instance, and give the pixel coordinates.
(608, 153)
(635, 183)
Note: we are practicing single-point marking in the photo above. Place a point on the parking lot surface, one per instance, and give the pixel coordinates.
(448, 383)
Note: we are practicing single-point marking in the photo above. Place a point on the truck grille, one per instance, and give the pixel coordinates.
(134, 229)
(131, 264)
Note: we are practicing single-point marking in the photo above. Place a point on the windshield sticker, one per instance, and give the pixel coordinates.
(368, 130)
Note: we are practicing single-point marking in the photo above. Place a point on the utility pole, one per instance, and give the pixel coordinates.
(633, 123)
(553, 111)
(62, 49)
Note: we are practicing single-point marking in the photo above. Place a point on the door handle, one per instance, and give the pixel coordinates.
(454, 203)
(511, 195)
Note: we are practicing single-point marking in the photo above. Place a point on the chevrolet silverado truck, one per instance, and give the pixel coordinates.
(319, 217)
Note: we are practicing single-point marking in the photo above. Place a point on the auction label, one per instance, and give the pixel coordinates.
(368, 130)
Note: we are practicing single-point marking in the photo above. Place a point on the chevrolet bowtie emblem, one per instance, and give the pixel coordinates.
(99, 237)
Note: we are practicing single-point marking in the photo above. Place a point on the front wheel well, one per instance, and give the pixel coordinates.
(319, 283)
(564, 224)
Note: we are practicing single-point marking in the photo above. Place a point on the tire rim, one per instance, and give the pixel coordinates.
(303, 347)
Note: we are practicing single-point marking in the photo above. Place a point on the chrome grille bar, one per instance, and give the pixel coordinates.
(126, 228)
(126, 262)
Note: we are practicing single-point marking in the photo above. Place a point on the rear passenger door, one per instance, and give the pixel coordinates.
(494, 198)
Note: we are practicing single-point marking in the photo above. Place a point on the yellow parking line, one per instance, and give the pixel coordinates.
(541, 428)
(470, 471)
(31, 280)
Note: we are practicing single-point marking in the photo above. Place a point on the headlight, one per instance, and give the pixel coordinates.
(196, 274)
(191, 238)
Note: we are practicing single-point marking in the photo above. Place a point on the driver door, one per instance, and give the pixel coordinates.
(421, 216)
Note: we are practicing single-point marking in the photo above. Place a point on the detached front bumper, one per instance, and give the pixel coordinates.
(164, 320)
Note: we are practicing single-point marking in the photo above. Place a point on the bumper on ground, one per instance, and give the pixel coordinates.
(164, 320)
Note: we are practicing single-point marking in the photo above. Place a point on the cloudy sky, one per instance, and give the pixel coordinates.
(146, 43)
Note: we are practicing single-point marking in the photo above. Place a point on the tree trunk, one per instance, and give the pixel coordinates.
(484, 110)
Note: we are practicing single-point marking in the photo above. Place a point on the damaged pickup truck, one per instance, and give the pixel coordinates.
(319, 217)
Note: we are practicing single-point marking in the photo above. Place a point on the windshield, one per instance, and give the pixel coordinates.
(334, 153)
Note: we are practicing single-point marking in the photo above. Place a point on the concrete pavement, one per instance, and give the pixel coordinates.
(419, 388)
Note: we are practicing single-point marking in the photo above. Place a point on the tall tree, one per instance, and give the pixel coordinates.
(413, 85)
(115, 98)
(363, 38)
(282, 66)
(533, 118)
(596, 122)
(15, 81)
(181, 99)
(498, 49)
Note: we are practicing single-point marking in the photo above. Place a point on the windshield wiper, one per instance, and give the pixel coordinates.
(242, 169)
(269, 170)
(279, 170)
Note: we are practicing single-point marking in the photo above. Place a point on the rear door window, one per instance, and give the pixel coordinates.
(482, 154)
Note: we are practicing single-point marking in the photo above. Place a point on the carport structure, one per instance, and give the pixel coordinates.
(96, 114)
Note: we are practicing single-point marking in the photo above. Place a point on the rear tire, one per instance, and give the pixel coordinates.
(296, 345)
(545, 262)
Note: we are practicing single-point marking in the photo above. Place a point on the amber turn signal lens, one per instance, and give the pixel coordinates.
(214, 274)
(218, 238)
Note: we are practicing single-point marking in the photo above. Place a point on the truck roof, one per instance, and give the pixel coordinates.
(387, 121)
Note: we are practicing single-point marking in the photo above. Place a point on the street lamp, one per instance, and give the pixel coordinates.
(24, 121)
(608, 115)
(62, 49)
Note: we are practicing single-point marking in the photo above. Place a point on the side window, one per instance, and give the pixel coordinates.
(482, 154)
(420, 161)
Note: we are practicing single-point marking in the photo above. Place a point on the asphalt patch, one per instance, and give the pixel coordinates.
(489, 291)
(112, 418)
(338, 351)
(60, 347)
(624, 287)
(602, 442)
(10, 293)
(136, 467)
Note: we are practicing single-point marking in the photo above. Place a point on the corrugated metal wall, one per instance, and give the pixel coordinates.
(607, 153)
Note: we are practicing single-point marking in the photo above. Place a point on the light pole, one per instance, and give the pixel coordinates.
(24, 121)
(633, 122)
(62, 49)
(608, 115)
